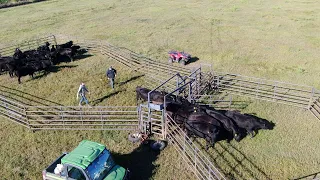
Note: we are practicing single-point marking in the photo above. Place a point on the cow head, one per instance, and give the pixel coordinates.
(264, 124)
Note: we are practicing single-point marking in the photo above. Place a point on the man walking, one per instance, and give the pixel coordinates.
(82, 92)
(111, 74)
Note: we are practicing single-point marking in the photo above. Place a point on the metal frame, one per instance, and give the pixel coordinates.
(306, 97)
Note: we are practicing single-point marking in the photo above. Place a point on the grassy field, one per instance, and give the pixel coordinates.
(271, 39)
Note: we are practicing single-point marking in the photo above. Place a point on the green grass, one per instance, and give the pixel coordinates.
(270, 39)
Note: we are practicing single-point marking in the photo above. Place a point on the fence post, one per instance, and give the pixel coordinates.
(218, 82)
(101, 117)
(311, 98)
(54, 40)
(257, 89)
(61, 116)
(163, 124)
(101, 47)
(26, 116)
(274, 91)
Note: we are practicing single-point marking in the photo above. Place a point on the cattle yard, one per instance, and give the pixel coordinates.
(207, 86)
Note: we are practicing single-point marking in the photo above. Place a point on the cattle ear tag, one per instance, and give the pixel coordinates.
(236, 135)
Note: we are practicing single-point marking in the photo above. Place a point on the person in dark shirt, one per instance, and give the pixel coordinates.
(111, 74)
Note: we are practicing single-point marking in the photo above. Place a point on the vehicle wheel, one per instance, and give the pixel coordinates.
(134, 137)
(170, 60)
(158, 145)
(183, 62)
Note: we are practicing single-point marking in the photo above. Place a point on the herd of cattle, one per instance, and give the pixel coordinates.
(40, 59)
(204, 121)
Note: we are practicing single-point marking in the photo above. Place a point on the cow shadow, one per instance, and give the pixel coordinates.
(140, 162)
(82, 56)
(129, 80)
(26, 98)
(237, 163)
(192, 60)
(99, 100)
(53, 69)
(310, 176)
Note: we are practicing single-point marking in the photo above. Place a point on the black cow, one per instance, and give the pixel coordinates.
(178, 112)
(156, 97)
(18, 54)
(3, 66)
(23, 71)
(207, 131)
(65, 45)
(4, 61)
(226, 121)
(44, 47)
(249, 122)
(62, 52)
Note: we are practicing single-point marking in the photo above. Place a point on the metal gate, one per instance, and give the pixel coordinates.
(13, 111)
(151, 120)
(194, 159)
(82, 118)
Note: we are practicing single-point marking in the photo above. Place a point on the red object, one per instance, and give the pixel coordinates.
(180, 57)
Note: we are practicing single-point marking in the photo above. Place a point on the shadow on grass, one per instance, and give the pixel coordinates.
(129, 80)
(24, 97)
(82, 56)
(95, 102)
(192, 60)
(310, 176)
(140, 162)
(53, 69)
(239, 165)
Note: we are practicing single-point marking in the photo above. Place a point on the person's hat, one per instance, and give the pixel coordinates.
(82, 84)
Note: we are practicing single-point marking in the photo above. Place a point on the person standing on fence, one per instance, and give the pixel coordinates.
(111, 74)
(82, 92)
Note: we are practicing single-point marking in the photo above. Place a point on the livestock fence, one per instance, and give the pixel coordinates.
(200, 84)
(194, 159)
(82, 118)
(28, 45)
(70, 117)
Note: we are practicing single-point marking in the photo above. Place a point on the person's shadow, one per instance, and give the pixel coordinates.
(139, 162)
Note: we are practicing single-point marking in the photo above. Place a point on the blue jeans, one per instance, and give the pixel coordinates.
(112, 83)
(83, 98)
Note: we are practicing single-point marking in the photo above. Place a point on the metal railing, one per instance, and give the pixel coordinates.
(275, 91)
(13, 111)
(193, 157)
(60, 117)
(28, 45)
(82, 118)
